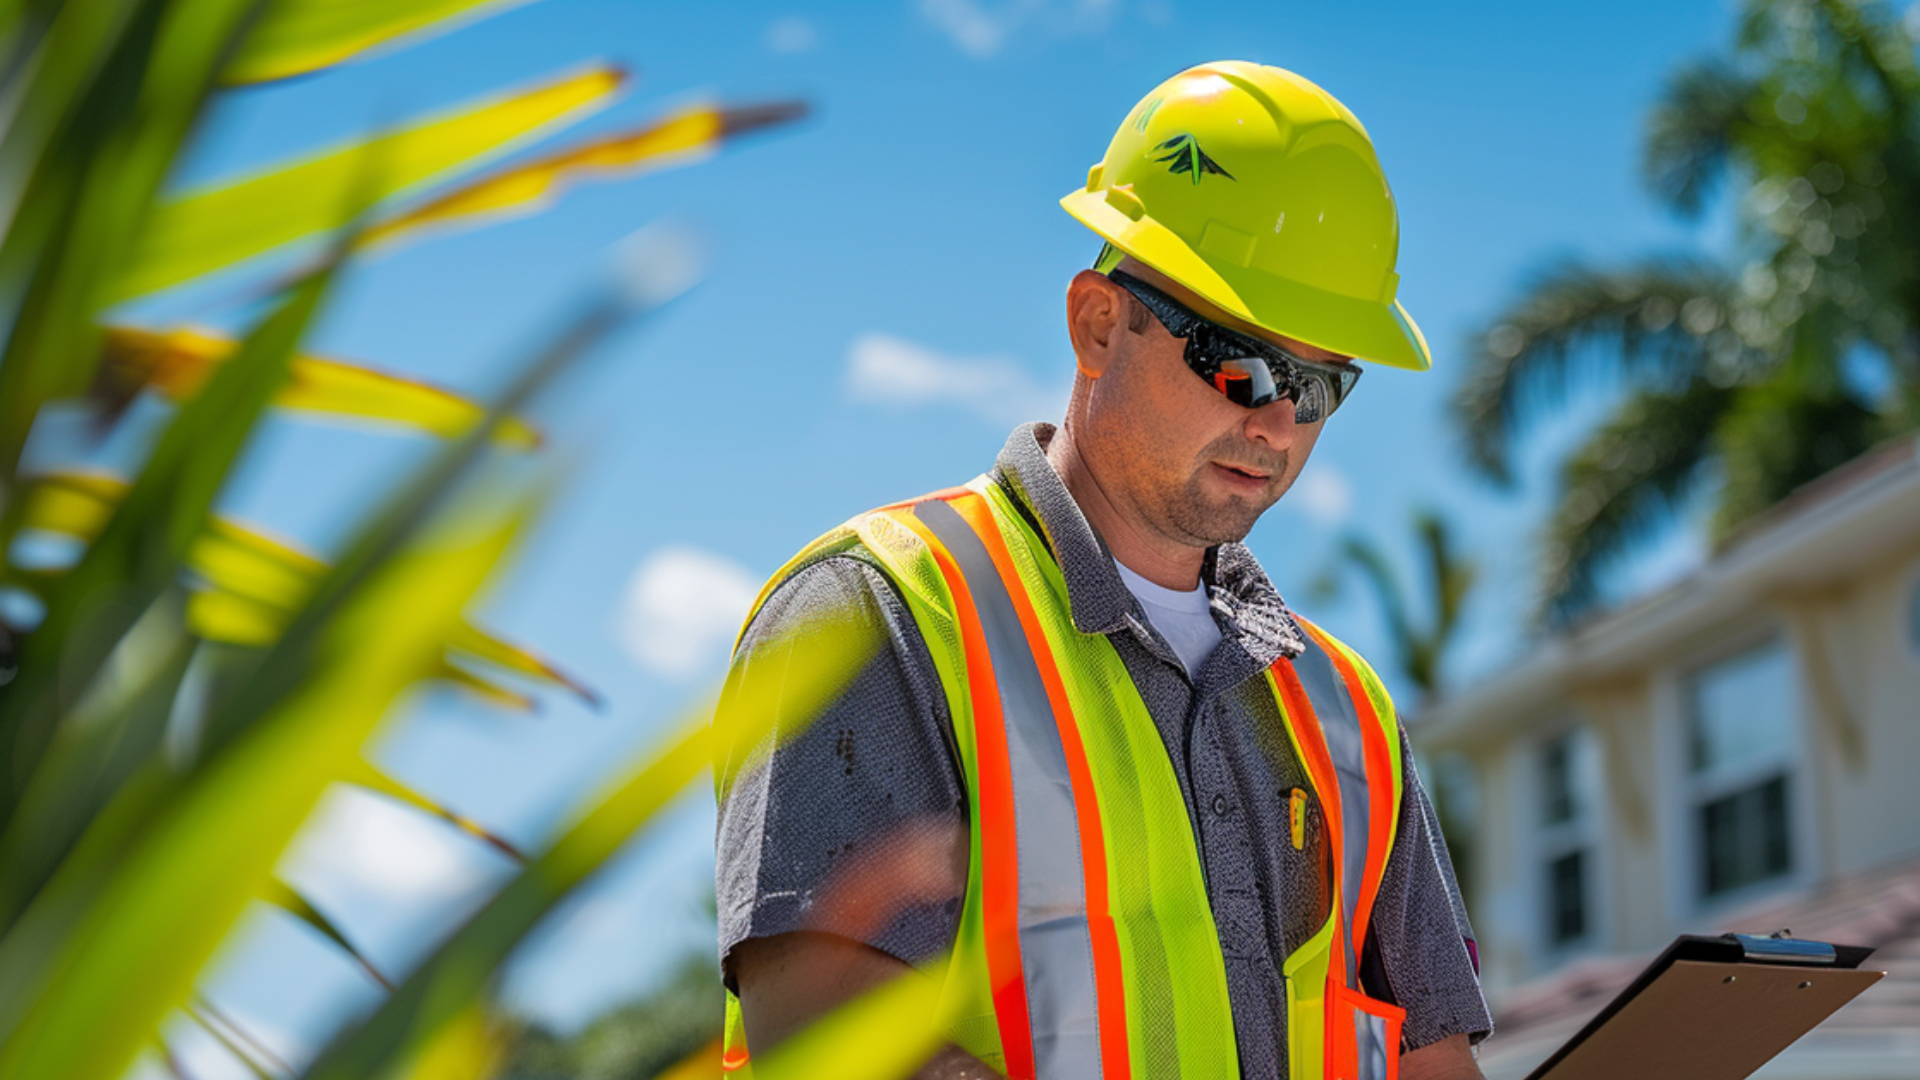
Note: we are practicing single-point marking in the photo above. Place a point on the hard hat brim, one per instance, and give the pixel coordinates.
(1370, 330)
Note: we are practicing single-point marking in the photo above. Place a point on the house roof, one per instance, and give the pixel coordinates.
(1824, 534)
(1876, 1035)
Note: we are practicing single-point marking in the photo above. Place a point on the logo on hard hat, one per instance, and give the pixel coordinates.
(1183, 157)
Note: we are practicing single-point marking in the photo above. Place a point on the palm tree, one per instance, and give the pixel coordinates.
(1418, 649)
(1419, 654)
(1743, 379)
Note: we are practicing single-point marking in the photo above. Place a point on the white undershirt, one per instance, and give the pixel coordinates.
(1181, 617)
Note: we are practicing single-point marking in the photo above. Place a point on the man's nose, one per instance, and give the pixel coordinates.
(1272, 424)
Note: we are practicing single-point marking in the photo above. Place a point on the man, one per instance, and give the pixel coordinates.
(1137, 817)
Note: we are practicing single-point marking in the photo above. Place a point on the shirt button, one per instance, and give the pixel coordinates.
(1220, 805)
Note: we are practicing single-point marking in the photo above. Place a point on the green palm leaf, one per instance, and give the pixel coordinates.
(1419, 647)
(664, 265)
(289, 900)
(111, 734)
(214, 228)
(1664, 320)
(124, 863)
(1781, 434)
(1693, 133)
(88, 165)
(1621, 483)
(816, 667)
(298, 37)
(238, 1042)
(144, 544)
(210, 848)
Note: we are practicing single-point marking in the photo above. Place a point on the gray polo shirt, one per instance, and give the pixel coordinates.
(809, 813)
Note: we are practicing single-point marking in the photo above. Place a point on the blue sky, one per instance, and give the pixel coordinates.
(908, 231)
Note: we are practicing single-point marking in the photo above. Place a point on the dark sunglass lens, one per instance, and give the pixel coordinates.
(1251, 381)
(1313, 404)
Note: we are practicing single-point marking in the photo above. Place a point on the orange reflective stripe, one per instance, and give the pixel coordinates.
(1109, 984)
(999, 850)
(1379, 783)
(1304, 724)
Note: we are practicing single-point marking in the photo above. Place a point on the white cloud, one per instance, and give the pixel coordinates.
(792, 34)
(1090, 16)
(1323, 493)
(682, 608)
(981, 29)
(974, 29)
(365, 848)
(886, 370)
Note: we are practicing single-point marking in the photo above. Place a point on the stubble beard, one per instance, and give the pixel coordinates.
(1215, 519)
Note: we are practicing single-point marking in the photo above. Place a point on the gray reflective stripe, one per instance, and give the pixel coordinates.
(1347, 746)
(1370, 1036)
(1056, 950)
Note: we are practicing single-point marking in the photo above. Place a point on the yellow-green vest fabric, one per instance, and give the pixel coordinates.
(1086, 946)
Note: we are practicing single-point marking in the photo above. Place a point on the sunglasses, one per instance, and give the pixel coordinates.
(1251, 372)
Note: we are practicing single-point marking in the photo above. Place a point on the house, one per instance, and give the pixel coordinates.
(1740, 751)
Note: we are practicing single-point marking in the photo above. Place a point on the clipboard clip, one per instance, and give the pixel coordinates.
(1778, 948)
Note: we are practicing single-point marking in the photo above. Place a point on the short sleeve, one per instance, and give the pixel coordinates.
(852, 823)
(1420, 925)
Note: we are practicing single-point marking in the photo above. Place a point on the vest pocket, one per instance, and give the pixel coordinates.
(1374, 1030)
(1306, 1027)
(1305, 975)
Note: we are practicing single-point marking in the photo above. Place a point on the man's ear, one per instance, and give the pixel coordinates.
(1096, 317)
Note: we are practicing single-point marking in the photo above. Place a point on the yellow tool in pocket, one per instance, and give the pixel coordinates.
(1297, 816)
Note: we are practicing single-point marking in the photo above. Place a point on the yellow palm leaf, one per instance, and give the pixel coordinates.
(256, 581)
(177, 363)
(234, 620)
(486, 689)
(249, 563)
(681, 137)
(252, 598)
(295, 37)
(72, 503)
(213, 228)
(477, 643)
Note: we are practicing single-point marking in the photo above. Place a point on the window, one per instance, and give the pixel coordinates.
(1556, 779)
(1743, 735)
(1567, 897)
(1566, 772)
(1913, 615)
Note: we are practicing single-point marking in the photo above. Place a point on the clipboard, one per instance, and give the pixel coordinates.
(1713, 1008)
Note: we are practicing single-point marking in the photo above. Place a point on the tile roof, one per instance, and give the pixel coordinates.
(1877, 1035)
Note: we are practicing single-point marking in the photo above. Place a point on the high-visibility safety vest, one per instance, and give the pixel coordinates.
(1086, 947)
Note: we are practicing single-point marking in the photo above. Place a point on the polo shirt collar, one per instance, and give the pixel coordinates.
(1098, 600)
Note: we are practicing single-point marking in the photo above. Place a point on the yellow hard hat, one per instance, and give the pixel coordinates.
(1257, 190)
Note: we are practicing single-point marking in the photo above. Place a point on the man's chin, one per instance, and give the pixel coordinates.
(1223, 520)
